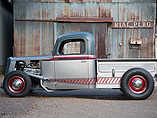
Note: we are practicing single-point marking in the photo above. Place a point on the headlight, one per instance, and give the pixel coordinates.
(20, 65)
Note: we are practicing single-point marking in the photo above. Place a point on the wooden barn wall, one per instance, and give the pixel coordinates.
(36, 29)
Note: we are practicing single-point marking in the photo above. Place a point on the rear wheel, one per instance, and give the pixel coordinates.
(17, 84)
(137, 83)
(121, 90)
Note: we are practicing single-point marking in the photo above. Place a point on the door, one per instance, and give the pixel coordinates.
(71, 66)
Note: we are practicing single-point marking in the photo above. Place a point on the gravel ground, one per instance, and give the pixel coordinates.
(108, 103)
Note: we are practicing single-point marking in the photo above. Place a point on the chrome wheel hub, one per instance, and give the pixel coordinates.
(137, 83)
(16, 84)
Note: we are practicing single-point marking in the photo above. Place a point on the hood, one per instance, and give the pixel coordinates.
(40, 57)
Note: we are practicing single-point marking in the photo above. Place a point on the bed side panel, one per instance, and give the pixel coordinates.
(109, 73)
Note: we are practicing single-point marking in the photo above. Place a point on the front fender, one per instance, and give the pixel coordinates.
(9, 66)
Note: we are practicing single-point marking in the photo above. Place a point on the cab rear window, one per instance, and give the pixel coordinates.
(72, 47)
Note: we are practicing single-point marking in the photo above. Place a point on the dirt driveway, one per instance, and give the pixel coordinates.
(100, 103)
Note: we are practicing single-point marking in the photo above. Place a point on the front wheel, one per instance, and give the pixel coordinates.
(17, 84)
(137, 83)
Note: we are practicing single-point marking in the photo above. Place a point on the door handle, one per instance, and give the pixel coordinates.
(83, 61)
(113, 72)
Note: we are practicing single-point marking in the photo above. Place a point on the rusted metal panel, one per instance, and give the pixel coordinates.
(104, 10)
(120, 46)
(53, 10)
(19, 39)
(137, 1)
(50, 11)
(71, 19)
(36, 20)
(147, 48)
(27, 10)
(90, 10)
(101, 50)
(33, 38)
(85, 19)
(82, 1)
(97, 29)
(47, 38)
(65, 1)
(66, 16)
(132, 52)
(134, 12)
(76, 10)
(119, 11)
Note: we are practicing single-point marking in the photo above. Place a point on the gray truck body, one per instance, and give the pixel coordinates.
(79, 70)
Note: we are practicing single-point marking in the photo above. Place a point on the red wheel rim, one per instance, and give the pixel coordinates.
(16, 84)
(137, 84)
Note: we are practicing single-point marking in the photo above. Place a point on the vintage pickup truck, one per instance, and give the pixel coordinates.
(71, 68)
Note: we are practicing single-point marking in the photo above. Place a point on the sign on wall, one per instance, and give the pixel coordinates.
(144, 24)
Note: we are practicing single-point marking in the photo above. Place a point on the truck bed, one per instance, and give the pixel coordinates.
(110, 71)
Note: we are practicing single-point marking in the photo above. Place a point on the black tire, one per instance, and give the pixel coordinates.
(137, 83)
(121, 90)
(17, 84)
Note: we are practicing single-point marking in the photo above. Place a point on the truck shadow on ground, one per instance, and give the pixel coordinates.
(102, 94)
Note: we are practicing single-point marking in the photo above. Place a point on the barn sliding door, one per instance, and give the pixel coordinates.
(98, 30)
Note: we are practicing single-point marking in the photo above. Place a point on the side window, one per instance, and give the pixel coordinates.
(72, 47)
